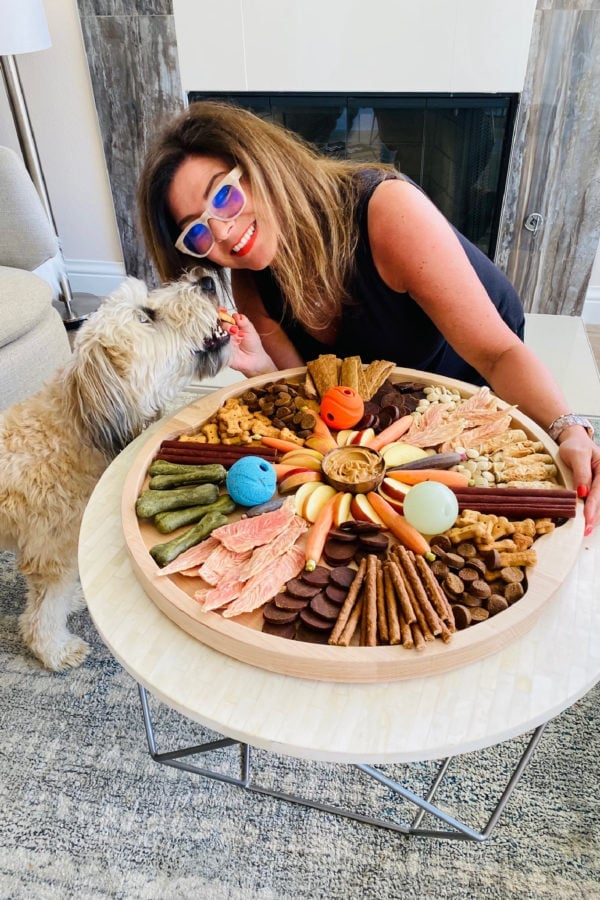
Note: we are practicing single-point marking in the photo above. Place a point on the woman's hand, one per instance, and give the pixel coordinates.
(248, 355)
(582, 456)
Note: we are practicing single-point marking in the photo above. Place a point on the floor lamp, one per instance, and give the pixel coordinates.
(24, 29)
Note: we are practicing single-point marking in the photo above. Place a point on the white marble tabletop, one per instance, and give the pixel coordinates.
(477, 705)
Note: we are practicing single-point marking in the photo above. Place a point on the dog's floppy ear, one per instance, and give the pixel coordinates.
(107, 416)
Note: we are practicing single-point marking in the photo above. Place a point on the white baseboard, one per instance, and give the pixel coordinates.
(591, 308)
(93, 276)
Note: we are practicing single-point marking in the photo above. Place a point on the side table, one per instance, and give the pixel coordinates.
(512, 692)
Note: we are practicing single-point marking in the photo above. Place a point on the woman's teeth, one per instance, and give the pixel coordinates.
(244, 239)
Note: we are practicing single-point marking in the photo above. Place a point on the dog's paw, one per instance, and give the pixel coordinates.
(63, 656)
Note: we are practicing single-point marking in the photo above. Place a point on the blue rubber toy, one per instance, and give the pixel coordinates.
(251, 481)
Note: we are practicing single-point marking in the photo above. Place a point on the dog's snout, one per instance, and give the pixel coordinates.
(207, 284)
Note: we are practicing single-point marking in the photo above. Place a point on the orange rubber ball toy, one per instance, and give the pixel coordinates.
(341, 407)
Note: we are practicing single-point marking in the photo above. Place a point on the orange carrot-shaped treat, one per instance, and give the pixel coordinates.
(397, 524)
(392, 433)
(279, 444)
(443, 476)
(317, 535)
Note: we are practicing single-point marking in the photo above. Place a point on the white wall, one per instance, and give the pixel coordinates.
(387, 45)
(353, 45)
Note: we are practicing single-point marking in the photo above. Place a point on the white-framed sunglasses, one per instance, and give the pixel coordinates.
(226, 202)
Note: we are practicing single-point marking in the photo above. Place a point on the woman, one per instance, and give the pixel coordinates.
(327, 255)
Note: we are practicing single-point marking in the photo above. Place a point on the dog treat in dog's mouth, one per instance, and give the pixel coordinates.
(225, 316)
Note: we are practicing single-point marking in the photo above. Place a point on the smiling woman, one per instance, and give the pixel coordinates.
(330, 255)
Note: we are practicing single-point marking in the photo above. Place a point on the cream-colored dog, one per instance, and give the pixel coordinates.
(130, 358)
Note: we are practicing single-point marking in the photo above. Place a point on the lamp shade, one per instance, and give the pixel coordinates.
(23, 27)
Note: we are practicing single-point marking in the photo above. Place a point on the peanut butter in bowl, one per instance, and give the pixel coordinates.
(353, 469)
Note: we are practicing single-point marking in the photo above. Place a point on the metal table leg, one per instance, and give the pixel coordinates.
(460, 831)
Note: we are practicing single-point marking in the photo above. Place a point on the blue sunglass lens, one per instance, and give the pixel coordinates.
(228, 201)
(198, 239)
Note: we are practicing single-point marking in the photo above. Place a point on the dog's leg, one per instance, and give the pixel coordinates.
(44, 623)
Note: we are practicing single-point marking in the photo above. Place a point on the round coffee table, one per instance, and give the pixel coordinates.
(509, 693)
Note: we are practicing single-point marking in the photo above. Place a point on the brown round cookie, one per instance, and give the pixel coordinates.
(452, 584)
(338, 553)
(284, 601)
(318, 577)
(373, 543)
(480, 589)
(513, 592)
(479, 614)
(315, 622)
(468, 574)
(336, 594)
(342, 534)
(342, 576)
(462, 616)
(360, 527)
(278, 616)
(287, 631)
(298, 587)
(324, 607)
(442, 542)
(496, 603)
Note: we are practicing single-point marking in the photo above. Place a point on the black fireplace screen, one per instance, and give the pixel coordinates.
(456, 147)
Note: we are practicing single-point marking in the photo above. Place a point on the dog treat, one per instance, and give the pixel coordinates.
(417, 636)
(394, 617)
(375, 374)
(406, 635)
(434, 592)
(324, 372)
(382, 627)
(409, 569)
(349, 602)
(518, 502)
(351, 625)
(496, 603)
(402, 593)
(520, 558)
(371, 601)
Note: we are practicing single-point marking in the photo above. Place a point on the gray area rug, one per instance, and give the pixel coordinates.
(86, 813)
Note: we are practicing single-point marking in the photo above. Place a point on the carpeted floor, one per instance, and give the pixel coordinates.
(87, 814)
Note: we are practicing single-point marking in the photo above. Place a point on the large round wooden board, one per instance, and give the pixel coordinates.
(241, 638)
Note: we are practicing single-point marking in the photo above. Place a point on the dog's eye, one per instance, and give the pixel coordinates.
(208, 284)
(145, 315)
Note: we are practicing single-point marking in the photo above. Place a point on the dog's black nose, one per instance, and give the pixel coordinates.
(207, 284)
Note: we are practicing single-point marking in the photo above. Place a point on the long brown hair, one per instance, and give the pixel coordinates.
(309, 199)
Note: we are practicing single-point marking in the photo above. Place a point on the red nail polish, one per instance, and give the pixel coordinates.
(582, 491)
(588, 530)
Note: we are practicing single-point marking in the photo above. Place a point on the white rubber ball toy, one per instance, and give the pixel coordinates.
(430, 507)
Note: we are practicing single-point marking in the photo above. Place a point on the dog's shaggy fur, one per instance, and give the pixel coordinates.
(129, 359)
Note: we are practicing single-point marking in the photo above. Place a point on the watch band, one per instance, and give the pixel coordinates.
(556, 428)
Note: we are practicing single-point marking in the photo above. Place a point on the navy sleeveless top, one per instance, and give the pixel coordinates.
(379, 323)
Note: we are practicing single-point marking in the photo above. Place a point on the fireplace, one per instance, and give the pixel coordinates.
(455, 146)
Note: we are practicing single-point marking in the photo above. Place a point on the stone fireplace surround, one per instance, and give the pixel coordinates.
(553, 168)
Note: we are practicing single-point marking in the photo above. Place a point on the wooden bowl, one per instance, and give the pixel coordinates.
(353, 469)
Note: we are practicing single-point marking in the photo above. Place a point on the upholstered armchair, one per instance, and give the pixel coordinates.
(33, 339)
